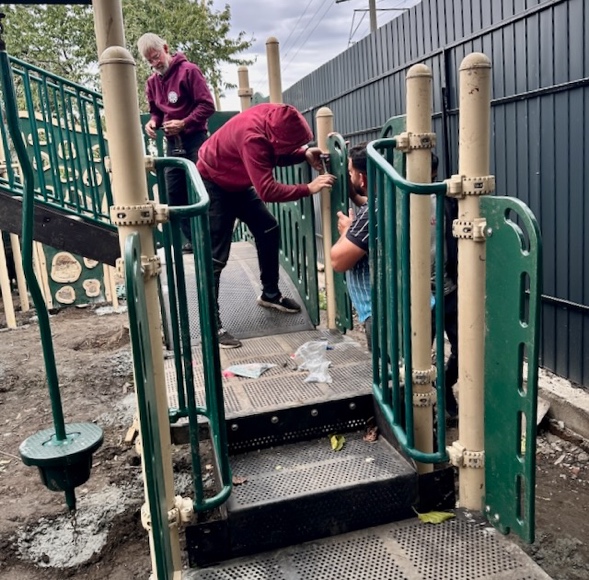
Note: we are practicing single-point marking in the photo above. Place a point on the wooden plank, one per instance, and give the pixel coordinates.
(62, 231)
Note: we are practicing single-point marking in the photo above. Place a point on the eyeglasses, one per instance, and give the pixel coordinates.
(154, 57)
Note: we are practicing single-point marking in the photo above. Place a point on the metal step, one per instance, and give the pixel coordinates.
(305, 491)
(279, 406)
(460, 549)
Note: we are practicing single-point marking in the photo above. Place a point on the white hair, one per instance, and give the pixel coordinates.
(148, 42)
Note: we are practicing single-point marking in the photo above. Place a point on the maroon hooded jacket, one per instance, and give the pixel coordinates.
(181, 93)
(245, 150)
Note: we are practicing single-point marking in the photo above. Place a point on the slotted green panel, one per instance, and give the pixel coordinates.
(513, 290)
(338, 159)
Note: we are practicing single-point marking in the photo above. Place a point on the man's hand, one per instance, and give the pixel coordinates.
(174, 127)
(325, 180)
(313, 157)
(344, 221)
(150, 128)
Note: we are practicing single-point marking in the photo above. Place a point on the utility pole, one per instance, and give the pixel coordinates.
(372, 14)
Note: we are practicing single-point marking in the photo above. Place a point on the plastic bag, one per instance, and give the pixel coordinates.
(311, 357)
(250, 371)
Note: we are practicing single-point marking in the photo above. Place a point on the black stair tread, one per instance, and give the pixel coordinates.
(312, 467)
(462, 548)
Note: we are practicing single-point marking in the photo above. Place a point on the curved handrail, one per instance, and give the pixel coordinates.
(27, 244)
(385, 363)
(213, 410)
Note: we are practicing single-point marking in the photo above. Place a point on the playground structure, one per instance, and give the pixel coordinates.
(495, 467)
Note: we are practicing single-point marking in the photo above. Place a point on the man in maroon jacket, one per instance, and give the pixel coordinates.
(236, 164)
(180, 103)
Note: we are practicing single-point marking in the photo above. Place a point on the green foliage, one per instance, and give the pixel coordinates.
(61, 39)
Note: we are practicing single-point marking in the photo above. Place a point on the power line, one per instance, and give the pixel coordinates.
(297, 23)
(331, 5)
(303, 31)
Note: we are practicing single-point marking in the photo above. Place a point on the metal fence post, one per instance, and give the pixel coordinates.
(473, 153)
(419, 124)
(274, 78)
(324, 128)
(125, 140)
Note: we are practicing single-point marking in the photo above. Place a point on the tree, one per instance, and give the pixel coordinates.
(60, 38)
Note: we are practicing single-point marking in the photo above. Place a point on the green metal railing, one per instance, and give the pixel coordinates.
(180, 339)
(391, 297)
(63, 126)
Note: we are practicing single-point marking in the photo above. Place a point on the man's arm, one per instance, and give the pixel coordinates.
(347, 251)
(258, 159)
(156, 116)
(203, 100)
(345, 254)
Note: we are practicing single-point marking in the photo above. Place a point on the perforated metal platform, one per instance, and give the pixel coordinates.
(306, 490)
(282, 386)
(461, 549)
(240, 287)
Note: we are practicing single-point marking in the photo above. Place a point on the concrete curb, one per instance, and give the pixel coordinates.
(568, 404)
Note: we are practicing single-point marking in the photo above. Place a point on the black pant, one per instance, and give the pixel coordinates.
(368, 329)
(245, 205)
(451, 330)
(176, 178)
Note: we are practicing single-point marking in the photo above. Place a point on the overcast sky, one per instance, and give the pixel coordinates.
(310, 33)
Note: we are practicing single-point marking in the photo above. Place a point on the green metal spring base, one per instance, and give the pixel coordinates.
(63, 464)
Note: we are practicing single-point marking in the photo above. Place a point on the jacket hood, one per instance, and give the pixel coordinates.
(177, 59)
(287, 129)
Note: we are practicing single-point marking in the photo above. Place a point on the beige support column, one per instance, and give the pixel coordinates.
(244, 92)
(324, 128)
(217, 99)
(5, 288)
(119, 89)
(274, 78)
(473, 155)
(419, 121)
(20, 274)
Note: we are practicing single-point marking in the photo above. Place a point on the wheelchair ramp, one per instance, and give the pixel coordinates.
(240, 287)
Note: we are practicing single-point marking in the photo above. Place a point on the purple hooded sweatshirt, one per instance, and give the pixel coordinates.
(181, 93)
(245, 150)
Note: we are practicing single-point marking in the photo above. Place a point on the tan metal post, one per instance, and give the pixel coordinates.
(324, 128)
(274, 78)
(419, 121)
(245, 92)
(20, 274)
(5, 290)
(473, 154)
(119, 89)
(217, 95)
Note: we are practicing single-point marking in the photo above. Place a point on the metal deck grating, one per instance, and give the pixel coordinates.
(239, 290)
(460, 549)
(282, 386)
(310, 467)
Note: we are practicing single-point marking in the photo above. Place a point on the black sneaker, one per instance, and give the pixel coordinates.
(279, 302)
(187, 248)
(226, 340)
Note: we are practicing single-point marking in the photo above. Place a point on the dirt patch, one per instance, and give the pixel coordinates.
(39, 540)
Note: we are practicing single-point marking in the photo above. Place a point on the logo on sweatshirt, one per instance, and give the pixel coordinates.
(172, 97)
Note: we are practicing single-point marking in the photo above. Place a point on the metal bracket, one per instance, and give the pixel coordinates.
(461, 186)
(425, 399)
(424, 377)
(174, 515)
(151, 267)
(462, 457)
(245, 92)
(407, 142)
(475, 230)
(144, 214)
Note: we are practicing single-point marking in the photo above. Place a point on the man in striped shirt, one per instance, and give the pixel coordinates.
(350, 253)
